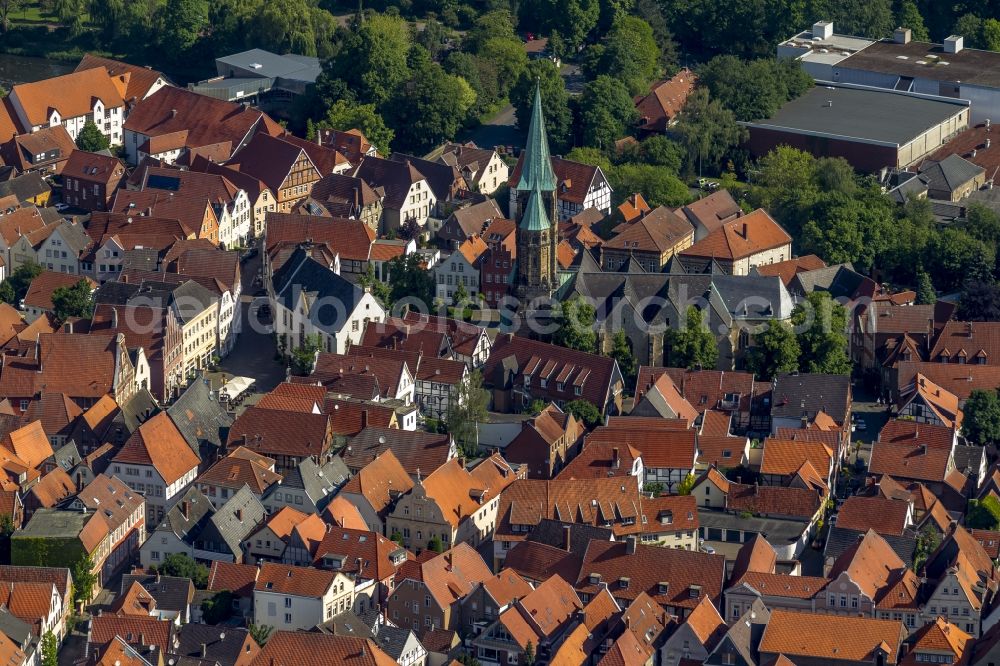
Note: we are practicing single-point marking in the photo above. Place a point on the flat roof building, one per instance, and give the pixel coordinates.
(255, 73)
(870, 127)
(898, 63)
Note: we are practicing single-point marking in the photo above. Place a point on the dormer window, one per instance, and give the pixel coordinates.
(527, 380)
(577, 390)
(544, 382)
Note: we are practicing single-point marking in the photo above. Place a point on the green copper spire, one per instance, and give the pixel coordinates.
(534, 218)
(536, 171)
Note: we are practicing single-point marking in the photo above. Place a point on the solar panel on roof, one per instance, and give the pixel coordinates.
(164, 183)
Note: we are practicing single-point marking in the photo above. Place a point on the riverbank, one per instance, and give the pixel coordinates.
(15, 69)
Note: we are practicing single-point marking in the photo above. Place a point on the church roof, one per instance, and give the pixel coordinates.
(537, 172)
(534, 218)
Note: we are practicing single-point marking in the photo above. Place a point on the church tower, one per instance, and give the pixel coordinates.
(537, 233)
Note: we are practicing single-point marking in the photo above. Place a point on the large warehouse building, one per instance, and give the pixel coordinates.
(872, 128)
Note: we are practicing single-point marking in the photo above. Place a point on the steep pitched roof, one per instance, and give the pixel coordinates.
(316, 649)
(870, 563)
(885, 516)
(740, 238)
(841, 637)
(160, 444)
(380, 481)
(72, 95)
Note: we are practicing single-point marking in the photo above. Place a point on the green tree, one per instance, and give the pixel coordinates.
(7, 292)
(980, 301)
(983, 514)
(21, 278)
(575, 319)
(708, 132)
(260, 633)
(591, 156)
(75, 301)
(91, 139)
(84, 580)
(529, 654)
(991, 34)
(575, 19)
(303, 357)
(409, 279)
(182, 566)
(496, 24)
(435, 545)
(630, 54)
(344, 115)
(607, 112)
(466, 411)
(621, 351)
(285, 26)
(429, 108)
(379, 289)
(433, 37)
(909, 16)
(658, 186)
(181, 23)
(50, 649)
(867, 18)
(981, 424)
(373, 60)
(693, 346)
(555, 101)
(970, 27)
(685, 486)
(775, 350)
(585, 412)
(218, 608)
(654, 488)
(509, 57)
(928, 540)
(925, 289)
(753, 89)
(823, 335)
(7, 8)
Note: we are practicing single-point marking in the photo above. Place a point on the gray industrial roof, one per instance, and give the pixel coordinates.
(862, 113)
(928, 61)
(271, 65)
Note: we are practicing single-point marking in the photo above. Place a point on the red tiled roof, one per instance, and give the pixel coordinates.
(72, 95)
(823, 636)
(46, 283)
(574, 178)
(885, 516)
(658, 108)
(789, 268)
(299, 648)
(160, 444)
(297, 581)
(741, 238)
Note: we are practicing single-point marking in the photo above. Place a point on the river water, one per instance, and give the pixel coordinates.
(22, 69)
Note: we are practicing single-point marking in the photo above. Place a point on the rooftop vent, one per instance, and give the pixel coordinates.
(255, 65)
(954, 44)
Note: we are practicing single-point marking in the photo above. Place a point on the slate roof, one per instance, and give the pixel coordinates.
(170, 592)
(810, 393)
(950, 173)
(200, 418)
(225, 645)
(415, 450)
(302, 272)
(841, 539)
(319, 483)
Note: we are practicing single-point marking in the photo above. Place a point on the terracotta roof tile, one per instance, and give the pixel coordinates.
(870, 563)
(416, 451)
(885, 516)
(237, 578)
(153, 631)
(691, 575)
(658, 108)
(773, 500)
(822, 636)
(135, 601)
(789, 268)
(29, 443)
(937, 637)
(53, 488)
(42, 287)
(279, 432)
(907, 450)
(665, 448)
(72, 95)
(298, 648)
(297, 581)
(784, 457)
(136, 80)
(160, 444)
(741, 238)
(380, 480)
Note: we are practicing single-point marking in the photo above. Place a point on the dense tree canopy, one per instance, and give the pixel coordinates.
(555, 101)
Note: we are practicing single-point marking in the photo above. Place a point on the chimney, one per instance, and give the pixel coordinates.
(239, 515)
(968, 329)
(901, 35)
(447, 560)
(954, 44)
(567, 537)
(184, 509)
(616, 461)
(364, 419)
(630, 545)
(745, 232)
